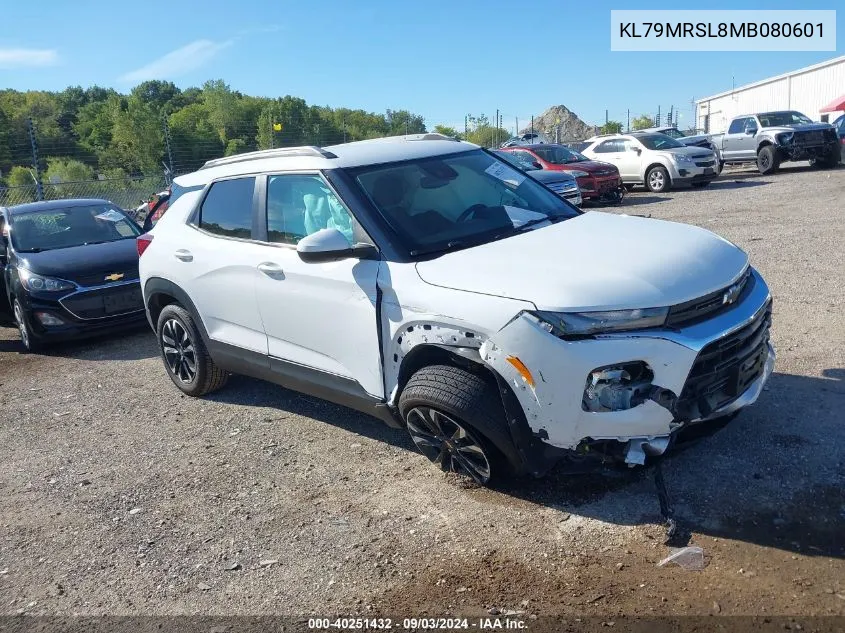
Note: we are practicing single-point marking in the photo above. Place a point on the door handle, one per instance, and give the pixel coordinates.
(272, 270)
(183, 255)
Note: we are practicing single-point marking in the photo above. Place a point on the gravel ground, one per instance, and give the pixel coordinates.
(120, 496)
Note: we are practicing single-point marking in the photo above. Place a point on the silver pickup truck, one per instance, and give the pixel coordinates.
(772, 138)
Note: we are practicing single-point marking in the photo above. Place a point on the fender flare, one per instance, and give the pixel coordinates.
(156, 286)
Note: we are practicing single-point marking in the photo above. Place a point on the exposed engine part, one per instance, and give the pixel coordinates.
(641, 447)
(617, 388)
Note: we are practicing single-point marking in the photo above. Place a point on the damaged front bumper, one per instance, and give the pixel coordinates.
(690, 379)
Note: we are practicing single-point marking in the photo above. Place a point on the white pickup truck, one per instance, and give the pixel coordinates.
(772, 138)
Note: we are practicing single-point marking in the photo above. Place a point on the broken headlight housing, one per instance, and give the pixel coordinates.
(566, 324)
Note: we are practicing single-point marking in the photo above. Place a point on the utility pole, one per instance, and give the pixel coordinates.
(466, 126)
(167, 143)
(532, 126)
(606, 118)
(657, 120)
(516, 126)
(628, 129)
(39, 190)
(496, 132)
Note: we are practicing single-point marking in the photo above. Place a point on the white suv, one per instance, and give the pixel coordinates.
(655, 160)
(427, 282)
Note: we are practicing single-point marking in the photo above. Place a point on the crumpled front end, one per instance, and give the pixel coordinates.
(632, 392)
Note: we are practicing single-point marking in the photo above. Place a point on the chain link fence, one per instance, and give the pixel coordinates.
(126, 193)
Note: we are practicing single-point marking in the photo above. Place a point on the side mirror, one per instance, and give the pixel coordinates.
(751, 131)
(536, 165)
(330, 245)
(638, 151)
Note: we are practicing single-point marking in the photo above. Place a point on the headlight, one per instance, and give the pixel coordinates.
(683, 159)
(31, 281)
(578, 173)
(785, 138)
(583, 323)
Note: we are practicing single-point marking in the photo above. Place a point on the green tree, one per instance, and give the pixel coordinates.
(447, 131)
(484, 133)
(611, 127)
(61, 170)
(193, 139)
(642, 122)
(20, 177)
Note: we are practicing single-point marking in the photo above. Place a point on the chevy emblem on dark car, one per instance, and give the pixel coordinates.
(114, 277)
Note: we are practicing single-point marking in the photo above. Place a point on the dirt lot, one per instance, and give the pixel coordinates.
(119, 496)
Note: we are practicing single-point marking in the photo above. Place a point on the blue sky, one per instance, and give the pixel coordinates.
(442, 59)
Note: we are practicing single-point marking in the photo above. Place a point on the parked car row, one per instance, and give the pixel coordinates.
(427, 282)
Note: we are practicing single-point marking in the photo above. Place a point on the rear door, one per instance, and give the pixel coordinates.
(630, 160)
(736, 142)
(613, 151)
(218, 264)
(320, 317)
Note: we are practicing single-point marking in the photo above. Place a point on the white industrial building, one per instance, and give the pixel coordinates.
(808, 90)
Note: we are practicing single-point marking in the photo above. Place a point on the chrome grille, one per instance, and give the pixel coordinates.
(697, 310)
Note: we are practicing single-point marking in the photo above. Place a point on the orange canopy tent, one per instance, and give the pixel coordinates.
(835, 106)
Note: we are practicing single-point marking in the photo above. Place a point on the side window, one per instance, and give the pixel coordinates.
(526, 157)
(227, 209)
(610, 146)
(737, 126)
(629, 146)
(299, 205)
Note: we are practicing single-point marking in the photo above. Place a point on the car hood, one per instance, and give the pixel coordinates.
(595, 261)
(694, 140)
(799, 127)
(547, 176)
(87, 265)
(595, 167)
(691, 151)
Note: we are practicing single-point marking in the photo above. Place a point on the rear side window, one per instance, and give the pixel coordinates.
(607, 147)
(227, 209)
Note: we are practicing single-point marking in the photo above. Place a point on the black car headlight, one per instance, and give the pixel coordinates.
(566, 324)
(39, 283)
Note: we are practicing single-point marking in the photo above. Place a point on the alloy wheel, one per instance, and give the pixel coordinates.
(656, 180)
(448, 444)
(178, 350)
(764, 160)
(22, 325)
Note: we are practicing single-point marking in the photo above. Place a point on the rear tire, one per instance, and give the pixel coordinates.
(767, 160)
(657, 180)
(185, 356)
(450, 414)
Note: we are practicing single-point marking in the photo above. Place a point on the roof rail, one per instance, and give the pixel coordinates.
(432, 136)
(281, 152)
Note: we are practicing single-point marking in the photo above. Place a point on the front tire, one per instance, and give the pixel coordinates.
(767, 160)
(657, 180)
(450, 414)
(185, 356)
(30, 344)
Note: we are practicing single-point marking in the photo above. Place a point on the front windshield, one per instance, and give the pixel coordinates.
(458, 200)
(557, 154)
(777, 119)
(674, 133)
(65, 227)
(658, 141)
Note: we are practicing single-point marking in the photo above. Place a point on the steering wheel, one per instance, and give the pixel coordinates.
(463, 217)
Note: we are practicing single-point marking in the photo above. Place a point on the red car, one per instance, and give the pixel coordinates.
(597, 180)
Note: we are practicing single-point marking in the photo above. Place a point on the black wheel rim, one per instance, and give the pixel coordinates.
(764, 160)
(178, 350)
(448, 444)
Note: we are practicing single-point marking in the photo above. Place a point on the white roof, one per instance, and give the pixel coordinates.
(370, 152)
(792, 73)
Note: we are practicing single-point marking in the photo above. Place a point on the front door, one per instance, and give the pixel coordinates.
(5, 253)
(629, 161)
(317, 316)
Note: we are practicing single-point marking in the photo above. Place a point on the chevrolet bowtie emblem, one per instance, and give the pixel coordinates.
(114, 277)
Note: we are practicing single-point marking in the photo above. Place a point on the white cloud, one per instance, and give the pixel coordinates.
(179, 62)
(27, 57)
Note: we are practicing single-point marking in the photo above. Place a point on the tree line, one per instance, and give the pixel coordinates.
(82, 134)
